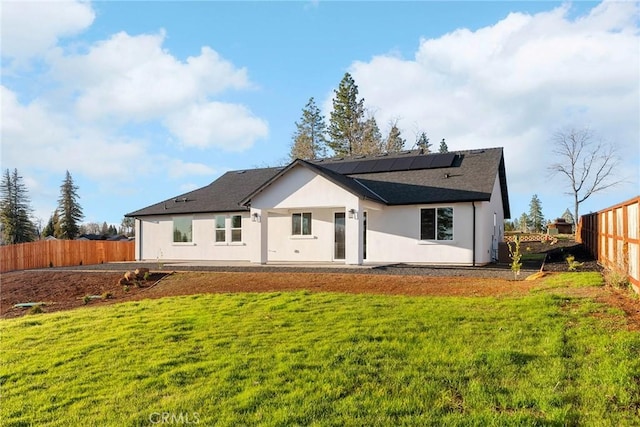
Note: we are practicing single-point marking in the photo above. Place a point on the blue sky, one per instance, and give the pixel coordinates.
(142, 101)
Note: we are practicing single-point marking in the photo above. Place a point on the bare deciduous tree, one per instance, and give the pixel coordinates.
(588, 163)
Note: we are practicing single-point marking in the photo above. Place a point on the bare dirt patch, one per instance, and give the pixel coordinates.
(64, 290)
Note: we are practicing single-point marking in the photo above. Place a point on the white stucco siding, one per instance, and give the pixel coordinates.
(157, 239)
(393, 235)
(318, 247)
(488, 234)
(302, 188)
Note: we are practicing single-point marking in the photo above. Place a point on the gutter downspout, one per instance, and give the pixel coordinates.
(473, 204)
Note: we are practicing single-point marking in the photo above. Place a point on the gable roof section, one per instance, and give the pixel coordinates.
(470, 177)
(409, 178)
(349, 184)
(222, 195)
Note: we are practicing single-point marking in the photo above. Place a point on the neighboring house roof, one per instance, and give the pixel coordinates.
(399, 179)
(90, 236)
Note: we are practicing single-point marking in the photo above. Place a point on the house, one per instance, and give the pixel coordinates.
(407, 207)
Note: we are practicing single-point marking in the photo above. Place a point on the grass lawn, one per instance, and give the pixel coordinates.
(301, 358)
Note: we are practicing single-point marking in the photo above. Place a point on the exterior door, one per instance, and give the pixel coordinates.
(339, 238)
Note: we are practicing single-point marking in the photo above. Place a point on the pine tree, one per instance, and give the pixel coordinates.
(523, 222)
(49, 229)
(69, 208)
(423, 143)
(394, 142)
(443, 147)
(57, 228)
(371, 142)
(568, 216)
(15, 211)
(346, 123)
(310, 137)
(535, 218)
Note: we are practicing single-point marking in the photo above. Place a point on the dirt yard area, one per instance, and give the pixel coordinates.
(63, 290)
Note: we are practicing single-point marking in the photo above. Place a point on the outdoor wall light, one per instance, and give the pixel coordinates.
(255, 217)
(353, 214)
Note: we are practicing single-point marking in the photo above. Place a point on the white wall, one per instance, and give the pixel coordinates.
(486, 232)
(393, 235)
(303, 188)
(157, 239)
(317, 247)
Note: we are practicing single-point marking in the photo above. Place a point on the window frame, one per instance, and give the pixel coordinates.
(189, 235)
(222, 229)
(302, 216)
(436, 220)
(232, 228)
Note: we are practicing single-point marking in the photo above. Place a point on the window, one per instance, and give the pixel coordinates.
(301, 224)
(236, 228)
(221, 230)
(182, 229)
(436, 224)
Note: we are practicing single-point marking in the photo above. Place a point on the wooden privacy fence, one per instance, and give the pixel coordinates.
(63, 253)
(612, 235)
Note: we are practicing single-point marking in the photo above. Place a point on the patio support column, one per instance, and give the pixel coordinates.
(354, 241)
(259, 236)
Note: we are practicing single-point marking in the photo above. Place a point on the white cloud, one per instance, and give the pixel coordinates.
(135, 78)
(30, 28)
(516, 82)
(178, 169)
(215, 124)
(33, 136)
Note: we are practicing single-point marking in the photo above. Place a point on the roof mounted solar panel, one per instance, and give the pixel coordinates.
(401, 164)
(365, 167)
(349, 168)
(444, 160)
(421, 162)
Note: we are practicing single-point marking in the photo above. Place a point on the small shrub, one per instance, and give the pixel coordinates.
(147, 275)
(86, 299)
(616, 279)
(573, 265)
(516, 256)
(107, 295)
(36, 309)
(125, 288)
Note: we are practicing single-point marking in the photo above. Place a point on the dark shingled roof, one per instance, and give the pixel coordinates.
(222, 195)
(468, 176)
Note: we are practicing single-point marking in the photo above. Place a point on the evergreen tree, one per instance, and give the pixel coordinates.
(423, 143)
(346, 123)
(523, 222)
(394, 142)
(57, 228)
(536, 220)
(309, 139)
(49, 229)
(568, 216)
(69, 208)
(443, 147)
(371, 142)
(112, 230)
(15, 211)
